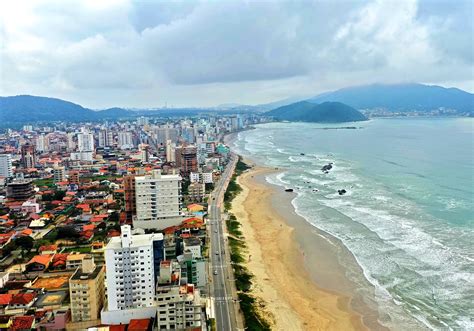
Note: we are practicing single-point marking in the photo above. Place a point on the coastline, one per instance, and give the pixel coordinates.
(297, 269)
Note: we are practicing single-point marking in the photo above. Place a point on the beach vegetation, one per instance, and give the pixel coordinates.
(254, 316)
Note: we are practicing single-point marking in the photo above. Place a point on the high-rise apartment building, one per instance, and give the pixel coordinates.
(125, 140)
(20, 189)
(42, 143)
(170, 151)
(105, 138)
(179, 307)
(87, 291)
(132, 263)
(186, 159)
(144, 153)
(28, 157)
(6, 169)
(85, 142)
(158, 200)
(142, 120)
(59, 174)
(164, 134)
(130, 201)
(71, 143)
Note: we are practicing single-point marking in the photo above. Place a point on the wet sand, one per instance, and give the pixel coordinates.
(299, 271)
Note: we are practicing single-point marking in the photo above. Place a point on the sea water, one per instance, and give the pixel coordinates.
(407, 215)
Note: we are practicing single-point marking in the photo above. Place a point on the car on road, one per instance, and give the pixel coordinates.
(215, 231)
(217, 252)
(215, 272)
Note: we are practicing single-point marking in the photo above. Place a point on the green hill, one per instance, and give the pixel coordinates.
(326, 112)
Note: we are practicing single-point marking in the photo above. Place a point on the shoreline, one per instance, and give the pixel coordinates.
(297, 268)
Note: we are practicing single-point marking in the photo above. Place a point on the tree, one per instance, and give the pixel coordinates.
(67, 232)
(114, 217)
(25, 243)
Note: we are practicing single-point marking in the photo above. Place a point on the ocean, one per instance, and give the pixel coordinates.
(408, 212)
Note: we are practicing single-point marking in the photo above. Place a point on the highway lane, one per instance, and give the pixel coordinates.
(222, 292)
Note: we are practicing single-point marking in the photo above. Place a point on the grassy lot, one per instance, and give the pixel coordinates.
(44, 182)
(81, 249)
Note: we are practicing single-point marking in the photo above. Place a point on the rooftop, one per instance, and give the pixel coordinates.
(139, 324)
(79, 275)
(192, 241)
(51, 298)
(51, 283)
(138, 240)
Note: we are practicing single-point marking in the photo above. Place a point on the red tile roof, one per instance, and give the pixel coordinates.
(117, 327)
(5, 299)
(22, 298)
(113, 233)
(84, 206)
(88, 227)
(41, 259)
(26, 232)
(48, 248)
(22, 323)
(59, 259)
(139, 325)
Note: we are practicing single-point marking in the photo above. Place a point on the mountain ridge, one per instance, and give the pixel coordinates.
(326, 112)
(401, 97)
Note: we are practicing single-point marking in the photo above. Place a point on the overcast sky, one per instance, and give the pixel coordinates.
(103, 53)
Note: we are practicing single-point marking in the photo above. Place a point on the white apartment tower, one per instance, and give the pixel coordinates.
(85, 142)
(144, 153)
(6, 169)
(42, 143)
(158, 200)
(105, 138)
(130, 272)
(170, 151)
(71, 144)
(125, 140)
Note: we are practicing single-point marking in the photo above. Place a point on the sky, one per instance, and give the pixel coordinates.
(105, 53)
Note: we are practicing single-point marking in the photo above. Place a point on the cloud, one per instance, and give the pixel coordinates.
(141, 53)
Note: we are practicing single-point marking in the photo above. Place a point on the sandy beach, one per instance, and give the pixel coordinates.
(297, 271)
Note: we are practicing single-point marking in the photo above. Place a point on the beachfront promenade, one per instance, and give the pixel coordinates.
(223, 292)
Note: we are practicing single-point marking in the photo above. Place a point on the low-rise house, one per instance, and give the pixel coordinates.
(16, 286)
(37, 224)
(5, 300)
(29, 207)
(53, 320)
(86, 209)
(6, 237)
(23, 323)
(39, 263)
(48, 249)
(22, 301)
(59, 261)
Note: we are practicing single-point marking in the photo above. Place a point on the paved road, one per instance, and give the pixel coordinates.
(223, 293)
